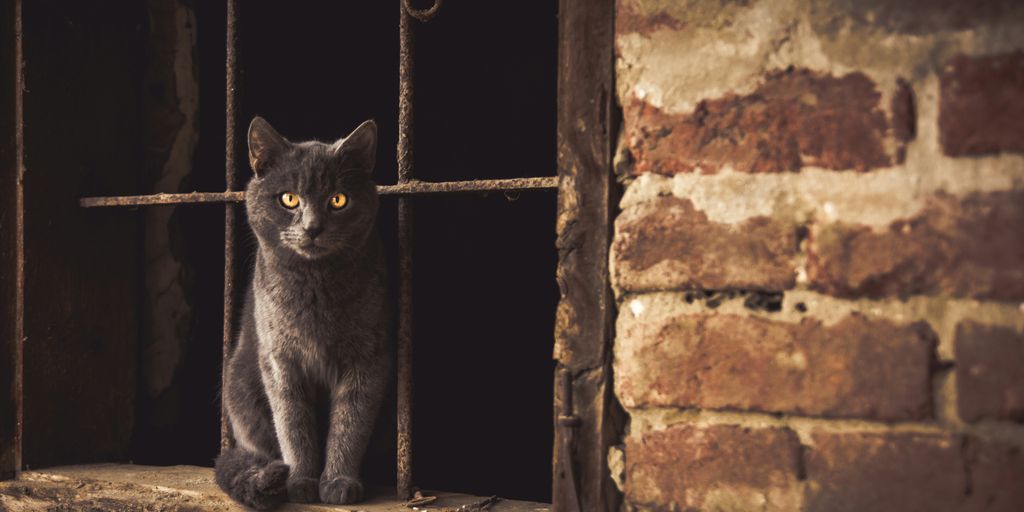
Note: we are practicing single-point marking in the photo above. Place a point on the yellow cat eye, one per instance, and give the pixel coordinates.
(289, 200)
(339, 201)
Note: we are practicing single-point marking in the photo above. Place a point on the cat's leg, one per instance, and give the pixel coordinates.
(251, 472)
(355, 401)
(252, 425)
(291, 397)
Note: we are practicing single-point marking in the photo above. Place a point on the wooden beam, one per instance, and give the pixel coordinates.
(588, 420)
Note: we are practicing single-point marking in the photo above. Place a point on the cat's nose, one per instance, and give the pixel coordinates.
(312, 225)
(313, 229)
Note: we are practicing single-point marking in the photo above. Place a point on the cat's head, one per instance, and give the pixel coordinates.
(311, 199)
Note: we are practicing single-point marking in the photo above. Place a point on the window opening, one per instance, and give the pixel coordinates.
(406, 187)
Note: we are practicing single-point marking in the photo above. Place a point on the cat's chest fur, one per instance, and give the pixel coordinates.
(314, 320)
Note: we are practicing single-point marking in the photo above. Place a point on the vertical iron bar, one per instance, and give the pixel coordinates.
(405, 224)
(404, 478)
(19, 272)
(12, 244)
(405, 111)
(230, 159)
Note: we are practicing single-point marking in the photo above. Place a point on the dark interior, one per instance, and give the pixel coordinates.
(485, 292)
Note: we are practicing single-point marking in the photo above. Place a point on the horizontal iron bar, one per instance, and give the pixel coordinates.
(416, 187)
(409, 188)
(189, 198)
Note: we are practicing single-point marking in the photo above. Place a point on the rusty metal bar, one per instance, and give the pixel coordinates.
(230, 160)
(404, 353)
(407, 183)
(416, 187)
(19, 272)
(413, 187)
(12, 248)
(403, 478)
(163, 199)
(405, 111)
(422, 14)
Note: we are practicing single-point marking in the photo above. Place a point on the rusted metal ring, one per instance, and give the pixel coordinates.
(423, 15)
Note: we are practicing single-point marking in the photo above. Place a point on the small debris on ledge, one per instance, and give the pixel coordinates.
(419, 500)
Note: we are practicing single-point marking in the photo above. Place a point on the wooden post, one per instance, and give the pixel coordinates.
(587, 415)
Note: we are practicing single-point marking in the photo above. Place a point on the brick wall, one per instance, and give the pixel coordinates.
(819, 260)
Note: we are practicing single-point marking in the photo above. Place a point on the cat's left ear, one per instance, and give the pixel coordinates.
(359, 149)
(265, 144)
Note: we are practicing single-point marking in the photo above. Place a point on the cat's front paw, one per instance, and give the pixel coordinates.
(301, 489)
(340, 490)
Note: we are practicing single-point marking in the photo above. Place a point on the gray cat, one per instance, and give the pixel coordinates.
(306, 378)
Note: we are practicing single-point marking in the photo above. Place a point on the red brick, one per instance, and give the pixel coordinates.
(996, 474)
(795, 118)
(885, 471)
(857, 368)
(667, 244)
(989, 372)
(685, 467)
(970, 247)
(981, 105)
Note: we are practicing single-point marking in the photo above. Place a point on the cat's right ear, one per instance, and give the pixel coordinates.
(265, 144)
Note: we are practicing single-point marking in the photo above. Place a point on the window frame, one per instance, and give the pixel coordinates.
(588, 419)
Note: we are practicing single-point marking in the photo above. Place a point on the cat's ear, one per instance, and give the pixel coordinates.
(265, 144)
(359, 149)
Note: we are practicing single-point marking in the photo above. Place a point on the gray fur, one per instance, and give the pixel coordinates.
(315, 321)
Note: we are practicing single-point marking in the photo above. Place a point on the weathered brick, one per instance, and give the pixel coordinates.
(795, 118)
(885, 471)
(989, 372)
(836, 18)
(667, 244)
(970, 247)
(996, 473)
(857, 368)
(982, 104)
(713, 468)
(630, 17)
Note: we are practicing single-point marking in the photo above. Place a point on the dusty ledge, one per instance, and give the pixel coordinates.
(125, 487)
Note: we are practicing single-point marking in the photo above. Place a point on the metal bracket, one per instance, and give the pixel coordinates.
(568, 421)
